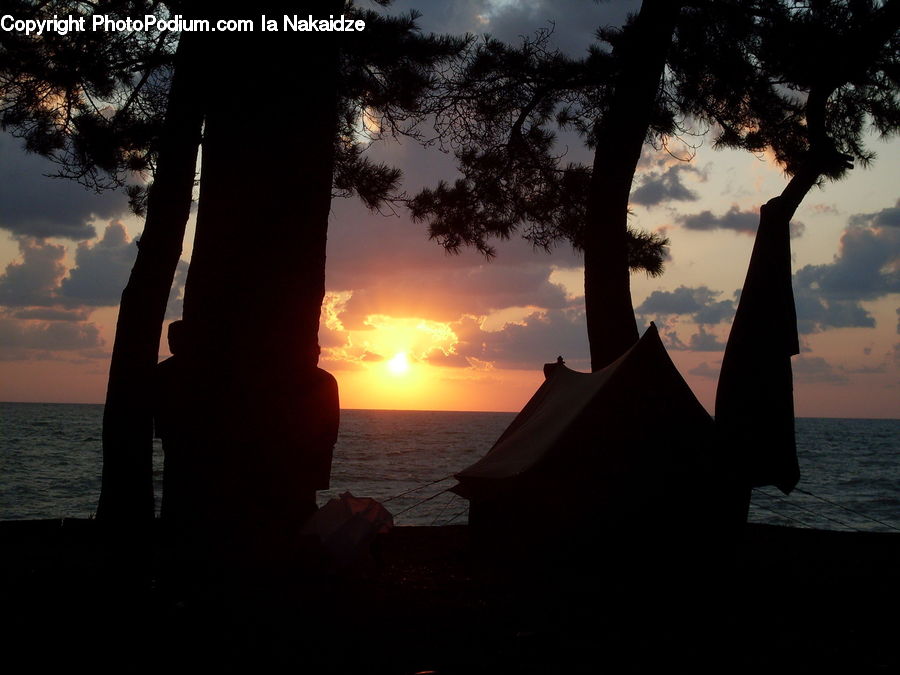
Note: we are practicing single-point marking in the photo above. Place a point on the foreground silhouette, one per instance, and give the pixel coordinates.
(251, 479)
(792, 601)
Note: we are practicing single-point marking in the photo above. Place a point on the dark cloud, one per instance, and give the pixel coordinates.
(100, 273)
(33, 205)
(527, 345)
(53, 314)
(175, 306)
(816, 313)
(815, 370)
(33, 282)
(704, 369)
(665, 186)
(669, 337)
(19, 338)
(866, 370)
(46, 311)
(700, 303)
(733, 219)
(575, 22)
(889, 217)
(867, 267)
(701, 341)
(744, 222)
(101, 270)
(540, 339)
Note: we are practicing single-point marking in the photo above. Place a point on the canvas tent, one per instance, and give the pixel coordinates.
(626, 446)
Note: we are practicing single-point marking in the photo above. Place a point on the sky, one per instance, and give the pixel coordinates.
(407, 326)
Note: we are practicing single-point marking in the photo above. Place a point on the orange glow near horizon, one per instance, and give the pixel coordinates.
(386, 362)
(428, 387)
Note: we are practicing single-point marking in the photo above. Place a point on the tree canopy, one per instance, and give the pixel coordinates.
(802, 80)
(107, 107)
(94, 101)
(499, 110)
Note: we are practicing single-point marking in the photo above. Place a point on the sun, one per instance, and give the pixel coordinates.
(399, 365)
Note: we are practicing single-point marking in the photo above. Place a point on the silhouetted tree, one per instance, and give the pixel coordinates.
(650, 81)
(806, 82)
(499, 108)
(106, 104)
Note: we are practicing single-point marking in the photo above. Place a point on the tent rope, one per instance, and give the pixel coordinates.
(465, 510)
(781, 515)
(444, 508)
(848, 510)
(810, 511)
(416, 489)
(419, 503)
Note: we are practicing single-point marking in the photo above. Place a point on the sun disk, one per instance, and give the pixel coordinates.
(399, 365)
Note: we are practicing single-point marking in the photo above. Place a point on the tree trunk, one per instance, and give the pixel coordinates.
(620, 136)
(126, 494)
(257, 278)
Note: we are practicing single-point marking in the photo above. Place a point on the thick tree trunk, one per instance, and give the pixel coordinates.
(620, 137)
(127, 484)
(257, 278)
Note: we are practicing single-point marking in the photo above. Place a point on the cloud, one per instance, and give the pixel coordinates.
(744, 222)
(815, 370)
(704, 369)
(445, 294)
(53, 314)
(816, 313)
(36, 206)
(702, 341)
(452, 360)
(175, 305)
(865, 370)
(866, 267)
(733, 219)
(666, 186)
(101, 270)
(536, 340)
(889, 217)
(575, 22)
(393, 268)
(18, 338)
(40, 298)
(700, 303)
(33, 282)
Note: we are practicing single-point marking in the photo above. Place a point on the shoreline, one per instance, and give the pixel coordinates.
(424, 410)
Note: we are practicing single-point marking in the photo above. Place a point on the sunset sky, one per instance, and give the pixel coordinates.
(406, 325)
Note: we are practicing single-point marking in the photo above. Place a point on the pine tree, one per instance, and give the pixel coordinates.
(105, 105)
(499, 110)
(805, 82)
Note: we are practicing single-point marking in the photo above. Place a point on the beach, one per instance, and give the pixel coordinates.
(792, 601)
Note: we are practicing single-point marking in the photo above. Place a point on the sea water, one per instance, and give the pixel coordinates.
(51, 458)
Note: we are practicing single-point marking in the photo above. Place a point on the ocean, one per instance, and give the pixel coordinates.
(50, 462)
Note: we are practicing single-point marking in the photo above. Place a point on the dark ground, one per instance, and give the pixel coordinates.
(786, 600)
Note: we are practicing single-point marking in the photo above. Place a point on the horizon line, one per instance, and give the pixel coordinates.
(425, 410)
